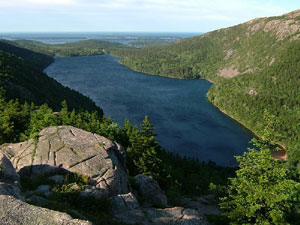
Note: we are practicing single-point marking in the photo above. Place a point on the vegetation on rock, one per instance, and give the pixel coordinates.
(65, 197)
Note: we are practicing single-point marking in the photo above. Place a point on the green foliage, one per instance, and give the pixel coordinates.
(187, 58)
(21, 121)
(262, 191)
(14, 120)
(76, 178)
(217, 190)
(143, 151)
(41, 118)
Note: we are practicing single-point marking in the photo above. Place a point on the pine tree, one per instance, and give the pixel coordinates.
(144, 152)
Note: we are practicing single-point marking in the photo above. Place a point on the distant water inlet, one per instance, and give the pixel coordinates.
(186, 123)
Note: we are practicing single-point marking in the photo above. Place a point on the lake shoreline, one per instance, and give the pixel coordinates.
(242, 124)
(280, 145)
(173, 77)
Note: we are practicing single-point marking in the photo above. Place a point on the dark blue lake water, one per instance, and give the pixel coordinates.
(184, 120)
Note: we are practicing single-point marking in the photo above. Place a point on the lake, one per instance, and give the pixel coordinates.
(186, 123)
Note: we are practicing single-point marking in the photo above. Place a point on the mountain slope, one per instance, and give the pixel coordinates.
(254, 66)
(40, 60)
(226, 52)
(26, 82)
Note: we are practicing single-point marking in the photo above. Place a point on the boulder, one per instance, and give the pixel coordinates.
(37, 200)
(175, 216)
(131, 216)
(124, 201)
(149, 189)
(153, 216)
(205, 204)
(43, 190)
(9, 179)
(66, 149)
(58, 179)
(13, 209)
(125, 209)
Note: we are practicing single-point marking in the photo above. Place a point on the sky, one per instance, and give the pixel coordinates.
(134, 15)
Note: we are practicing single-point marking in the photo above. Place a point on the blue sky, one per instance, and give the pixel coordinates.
(134, 15)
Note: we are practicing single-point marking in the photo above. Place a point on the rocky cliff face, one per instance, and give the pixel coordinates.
(60, 151)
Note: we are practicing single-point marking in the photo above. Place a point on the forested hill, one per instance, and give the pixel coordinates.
(79, 48)
(228, 52)
(255, 67)
(37, 59)
(26, 82)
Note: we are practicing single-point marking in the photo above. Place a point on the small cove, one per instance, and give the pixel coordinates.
(186, 123)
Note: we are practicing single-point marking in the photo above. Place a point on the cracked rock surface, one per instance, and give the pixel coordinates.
(66, 148)
(149, 189)
(13, 209)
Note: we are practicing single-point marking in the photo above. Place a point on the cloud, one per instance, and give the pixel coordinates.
(202, 15)
(33, 3)
(51, 2)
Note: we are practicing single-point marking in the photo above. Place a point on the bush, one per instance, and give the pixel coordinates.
(262, 191)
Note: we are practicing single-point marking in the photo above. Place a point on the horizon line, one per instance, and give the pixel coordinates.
(102, 32)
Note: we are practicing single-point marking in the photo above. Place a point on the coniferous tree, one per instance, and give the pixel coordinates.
(263, 191)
